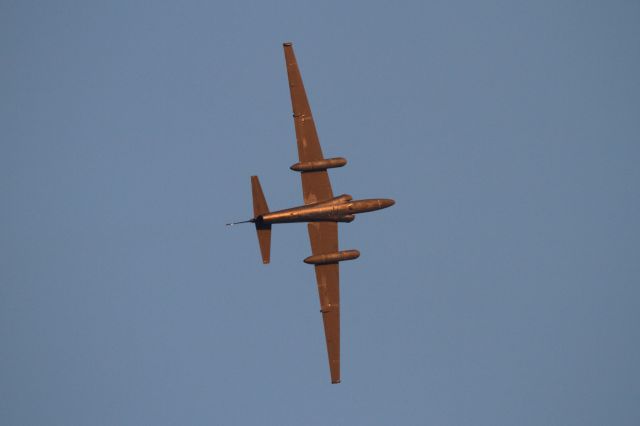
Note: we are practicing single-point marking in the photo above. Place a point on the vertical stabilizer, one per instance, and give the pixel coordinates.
(260, 207)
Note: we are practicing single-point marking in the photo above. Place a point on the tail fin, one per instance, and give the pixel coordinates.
(259, 208)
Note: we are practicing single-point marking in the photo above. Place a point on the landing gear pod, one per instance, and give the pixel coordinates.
(339, 256)
(314, 166)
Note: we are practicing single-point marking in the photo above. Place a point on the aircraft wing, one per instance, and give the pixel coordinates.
(323, 235)
(315, 185)
(324, 239)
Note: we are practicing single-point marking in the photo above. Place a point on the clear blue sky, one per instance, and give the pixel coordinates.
(501, 289)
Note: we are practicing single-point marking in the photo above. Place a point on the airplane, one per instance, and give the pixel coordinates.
(321, 210)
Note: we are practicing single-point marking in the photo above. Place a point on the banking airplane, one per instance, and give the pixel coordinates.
(321, 210)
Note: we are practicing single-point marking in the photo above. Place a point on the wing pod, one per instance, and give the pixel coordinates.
(339, 256)
(314, 166)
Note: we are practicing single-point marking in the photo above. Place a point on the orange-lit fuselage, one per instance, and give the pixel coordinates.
(338, 209)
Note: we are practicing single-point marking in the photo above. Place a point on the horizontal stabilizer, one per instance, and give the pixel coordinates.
(263, 230)
(264, 239)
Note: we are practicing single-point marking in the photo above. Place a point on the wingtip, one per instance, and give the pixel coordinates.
(287, 43)
(335, 382)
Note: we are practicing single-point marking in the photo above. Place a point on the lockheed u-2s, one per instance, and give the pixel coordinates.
(321, 210)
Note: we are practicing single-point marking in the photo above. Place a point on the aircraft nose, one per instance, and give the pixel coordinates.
(386, 202)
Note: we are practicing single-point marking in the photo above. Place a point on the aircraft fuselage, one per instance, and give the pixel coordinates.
(338, 209)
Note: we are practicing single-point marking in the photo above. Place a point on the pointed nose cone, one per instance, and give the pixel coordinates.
(386, 202)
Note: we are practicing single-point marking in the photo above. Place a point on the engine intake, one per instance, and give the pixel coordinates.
(339, 256)
(314, 166)
(347, 218)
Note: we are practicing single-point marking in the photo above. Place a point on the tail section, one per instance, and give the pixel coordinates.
(260, 207)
